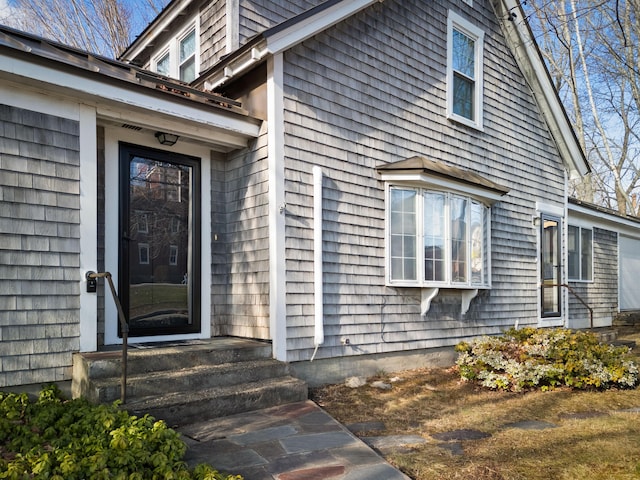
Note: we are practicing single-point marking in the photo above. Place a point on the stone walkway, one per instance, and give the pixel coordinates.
(299, 441)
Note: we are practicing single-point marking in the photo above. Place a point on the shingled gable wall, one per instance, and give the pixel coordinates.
(39, 245)
(371, 90)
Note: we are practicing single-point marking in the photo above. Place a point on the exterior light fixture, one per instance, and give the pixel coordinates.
(167, 138)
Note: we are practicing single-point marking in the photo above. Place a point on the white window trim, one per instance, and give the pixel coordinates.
(580, 229)
(420, 282)
(455, 21)
(143, 247)
(173, 255)
(173, 48)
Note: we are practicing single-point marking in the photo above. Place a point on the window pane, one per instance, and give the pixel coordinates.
(463, 65)
(403, 234)
(434, 231)
(188, 70)
(463, 54)
(458, 239)
(573, 252)
(587, 263)
(478, 244)
(188, 46)
(163, 66)
(463, 96)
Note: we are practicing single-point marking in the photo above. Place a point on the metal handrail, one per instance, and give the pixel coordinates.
(575, 294)
(124, 326)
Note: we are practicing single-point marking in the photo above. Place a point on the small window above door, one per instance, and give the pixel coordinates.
(179, 57)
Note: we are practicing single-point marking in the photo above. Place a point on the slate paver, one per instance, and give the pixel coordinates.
(382, 471)
(531, 425)
(289, 463)
(266, 434)
(388, 442)
(316, 441)
(462, 434)
(318, 473)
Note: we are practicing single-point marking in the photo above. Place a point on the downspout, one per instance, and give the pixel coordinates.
(317, 260)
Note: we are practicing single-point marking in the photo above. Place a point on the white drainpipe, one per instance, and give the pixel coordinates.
(317, 259)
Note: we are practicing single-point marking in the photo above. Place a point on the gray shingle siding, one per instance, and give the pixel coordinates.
(372, 90)
(257, 16)
(39, 246)
(213, 33)
(601, 294)
(240, 254)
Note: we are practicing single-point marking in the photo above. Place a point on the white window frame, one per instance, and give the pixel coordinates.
(144, 247)
(143, 222)
(456, 22)
(173, 49)
(419, 247)
(580, 250)
(173, 255)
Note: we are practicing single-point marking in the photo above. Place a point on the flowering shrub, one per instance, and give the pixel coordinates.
(545, 358)
(67, 440)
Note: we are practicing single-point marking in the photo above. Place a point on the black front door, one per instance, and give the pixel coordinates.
(159, 271)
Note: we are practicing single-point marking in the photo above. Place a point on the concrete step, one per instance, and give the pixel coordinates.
(189, 381)
(153, 358)
(180, 379)
(183, 408)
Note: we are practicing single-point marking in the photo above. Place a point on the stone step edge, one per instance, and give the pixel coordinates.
(297, 389)
(190, 371)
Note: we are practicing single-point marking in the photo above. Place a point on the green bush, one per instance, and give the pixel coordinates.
(546, 358)
(66, 440)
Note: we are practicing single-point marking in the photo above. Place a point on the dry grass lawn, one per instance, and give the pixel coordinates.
(594, 439)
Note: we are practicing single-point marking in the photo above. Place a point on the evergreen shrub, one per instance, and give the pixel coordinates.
(61, 439)
(531, 358)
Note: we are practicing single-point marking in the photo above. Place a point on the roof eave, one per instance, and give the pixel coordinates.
(525, 50)
(155, 28)
(127, 101)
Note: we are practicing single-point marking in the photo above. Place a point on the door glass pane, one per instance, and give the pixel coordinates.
(550, 267)
(160, 276)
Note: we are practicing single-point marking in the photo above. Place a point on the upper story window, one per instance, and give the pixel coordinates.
(580, 253)
(179, 58)
(464, 71)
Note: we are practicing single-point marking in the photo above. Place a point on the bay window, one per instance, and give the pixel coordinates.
(437, 239)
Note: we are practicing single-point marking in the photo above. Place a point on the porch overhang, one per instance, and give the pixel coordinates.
(123, 94)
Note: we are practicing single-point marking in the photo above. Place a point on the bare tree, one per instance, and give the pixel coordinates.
(593, 54)
(104, 27)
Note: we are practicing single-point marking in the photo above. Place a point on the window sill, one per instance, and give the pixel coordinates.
(460, 120)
